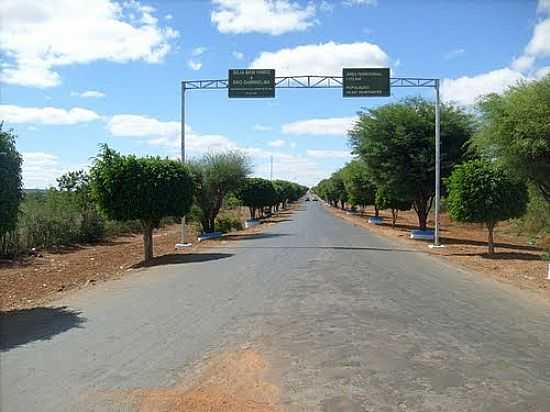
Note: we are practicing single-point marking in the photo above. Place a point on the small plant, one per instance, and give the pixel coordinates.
(227, 222)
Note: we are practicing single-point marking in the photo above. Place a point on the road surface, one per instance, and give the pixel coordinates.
(362, 324)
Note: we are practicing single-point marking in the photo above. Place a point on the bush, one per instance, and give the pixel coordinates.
(227, 222)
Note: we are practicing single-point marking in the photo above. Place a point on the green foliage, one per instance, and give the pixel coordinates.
(215, 175)
(396, 141)
(145, 189)
(257, 193)
(515, 128)
(386, 199)
(536, 221)
(231, 201)
(483, 192)
(11, 189)
(228, 222)
(358, 183)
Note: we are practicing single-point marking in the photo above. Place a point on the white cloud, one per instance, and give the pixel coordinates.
(197, 51)
(288, 166)
(38, 36)
(93, 94)
(273, 17)
(539, 45)
(523, 63)
(276, 143)
(543, 6)
(328, 126)
(46, 115)
(194, 65)
(543, 71)
(166, 133)
(40, 170)
(329, 154)
(453, 54)
(322, 59)
(168, 17)
(238, 55)
(466, 90)
(262, 128)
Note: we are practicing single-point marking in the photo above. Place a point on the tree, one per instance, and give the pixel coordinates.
(256, 193)
(396, 141)
(145, 189)
(515, 128)
(359, 185)
(11, 185)
(338, 189)
(385, 199)
(484, 192)
(216, 174)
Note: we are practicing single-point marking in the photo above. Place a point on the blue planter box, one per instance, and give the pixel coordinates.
(422, 234)
(376, 220)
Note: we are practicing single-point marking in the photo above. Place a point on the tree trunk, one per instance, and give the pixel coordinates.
(422, 220)
(491, 240)
(376, 211)
(147, 241)
(394, 213)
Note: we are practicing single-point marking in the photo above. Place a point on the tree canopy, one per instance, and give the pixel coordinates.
(481, 191)
(11, 184)
(358, 183)
(145, 189)
(214, 175)
(516, 129)
(257, 193)
(396, 141)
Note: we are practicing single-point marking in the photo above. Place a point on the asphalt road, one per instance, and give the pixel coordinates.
(353, 322)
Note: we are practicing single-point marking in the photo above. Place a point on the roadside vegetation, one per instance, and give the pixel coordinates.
(495, 162)
(127, 194)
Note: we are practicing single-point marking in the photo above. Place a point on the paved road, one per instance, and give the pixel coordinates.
(353, 321)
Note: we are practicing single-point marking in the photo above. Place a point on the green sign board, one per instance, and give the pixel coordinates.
(366, 82)
(251, 83)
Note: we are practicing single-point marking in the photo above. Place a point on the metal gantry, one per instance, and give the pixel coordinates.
(329, 82)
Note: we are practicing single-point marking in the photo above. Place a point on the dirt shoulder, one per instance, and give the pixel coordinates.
(37, 280)
(515, 261)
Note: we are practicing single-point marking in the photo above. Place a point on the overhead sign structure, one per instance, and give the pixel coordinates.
(251, 83)
(371, 82)
(362, 82)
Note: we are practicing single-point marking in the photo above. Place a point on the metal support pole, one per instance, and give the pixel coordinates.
(437, 163)
(183, 243)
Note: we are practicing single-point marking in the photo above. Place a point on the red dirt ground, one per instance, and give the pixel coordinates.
(34, 281)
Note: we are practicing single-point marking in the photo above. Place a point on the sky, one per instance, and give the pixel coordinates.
(79, 73)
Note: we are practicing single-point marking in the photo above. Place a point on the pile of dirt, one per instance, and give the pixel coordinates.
(515, 261)
(231, 382)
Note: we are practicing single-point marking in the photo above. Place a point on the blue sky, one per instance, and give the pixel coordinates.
(77, 73)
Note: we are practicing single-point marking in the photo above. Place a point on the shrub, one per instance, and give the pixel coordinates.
(227, 222)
